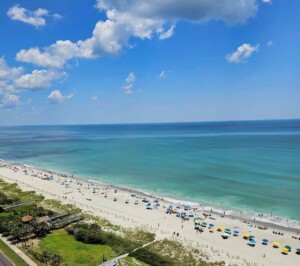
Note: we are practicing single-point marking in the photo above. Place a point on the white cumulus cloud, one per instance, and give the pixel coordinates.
(7, 72)
(242, 53)
(54, 56)
(141, 19)
(37, 80)
(35, 18)
(8, 100)
(56, 97)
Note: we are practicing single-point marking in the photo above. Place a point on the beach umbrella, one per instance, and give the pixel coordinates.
(211, 230)
(197, 222)
(252, 237)
(298, 251)
(225, 236)
(220, 228)
(276, 245)
(204, 223)
(246, 236)
(211, 225)
(285, 250)
(252, 242)
(265, 241)
(227, 230)
(288, 247)
(236, 233)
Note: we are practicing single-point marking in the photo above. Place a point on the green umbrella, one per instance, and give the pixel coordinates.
(204, 223)
(251, 237)
(288, 247)
(227, 229)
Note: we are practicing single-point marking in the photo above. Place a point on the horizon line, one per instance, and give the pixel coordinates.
(155, 123)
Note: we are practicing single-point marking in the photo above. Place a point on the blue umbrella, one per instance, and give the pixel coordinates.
(236, 233)
(265, 241)
(252, 242)
(298, 250)
(211, 225)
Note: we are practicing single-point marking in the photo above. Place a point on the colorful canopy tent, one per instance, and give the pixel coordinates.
(236, 232)
(252, 243)
(225, 236)
(228, 231)
(288, 247)
(285, 251)
(265, 241)
(276, 245)
(246, 236)
(219, 228)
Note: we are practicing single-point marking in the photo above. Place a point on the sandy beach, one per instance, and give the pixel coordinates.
(109, 202)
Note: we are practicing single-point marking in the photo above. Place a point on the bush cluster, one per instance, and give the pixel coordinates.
(47, 257)
(93, 234)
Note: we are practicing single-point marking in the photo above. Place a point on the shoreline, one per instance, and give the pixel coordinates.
(245, 216)
(101, 203)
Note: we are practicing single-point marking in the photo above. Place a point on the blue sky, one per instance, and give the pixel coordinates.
(89, 61)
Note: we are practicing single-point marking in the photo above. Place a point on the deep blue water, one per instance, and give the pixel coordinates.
(249, 165)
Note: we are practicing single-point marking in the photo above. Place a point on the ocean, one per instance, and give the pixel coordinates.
(249, 166)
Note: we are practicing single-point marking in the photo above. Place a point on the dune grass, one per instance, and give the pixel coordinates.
(74, 252)
(11, 254)
(130, 261)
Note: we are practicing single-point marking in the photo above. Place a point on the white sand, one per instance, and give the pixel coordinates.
(233, 250)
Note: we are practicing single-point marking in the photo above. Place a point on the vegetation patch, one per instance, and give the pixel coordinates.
(130, 261)
(94, 234)
(57, 206)
(73, 252)
(16, 194)
(170, 253)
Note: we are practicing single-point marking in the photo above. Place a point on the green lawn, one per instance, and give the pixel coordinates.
(74, 252)
(11, 254)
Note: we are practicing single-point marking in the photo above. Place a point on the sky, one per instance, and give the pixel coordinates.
(140, 61)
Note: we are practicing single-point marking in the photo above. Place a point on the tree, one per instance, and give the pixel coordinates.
(46, 257)
(56, 260)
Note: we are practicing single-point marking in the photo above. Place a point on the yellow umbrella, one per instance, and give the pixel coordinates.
(220, 228)
(211, 230)
(246, 236)
(276, 244)
(197, 221)
(285, 250)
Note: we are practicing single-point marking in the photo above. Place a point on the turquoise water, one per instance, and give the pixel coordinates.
(252, 165)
